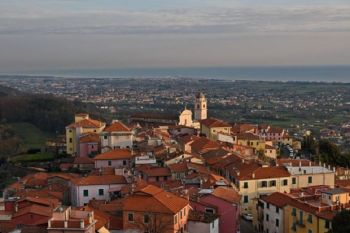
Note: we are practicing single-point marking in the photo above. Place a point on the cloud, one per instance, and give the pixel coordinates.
(202, 20)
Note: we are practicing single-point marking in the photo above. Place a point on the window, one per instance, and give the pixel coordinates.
(175, 219)
(309, 218)
(105, 137)
(294, 180)
(309, 179)
(157, 178)
(165, 178)
(294, 212)
(263, 184)
(267, 205)
(277, 209)
(184, 212)
(272, 183)
(146, 219)
(245, 199)
(109, 163)
(245, 185)
(130, 217)
(285, 182)
(327, 225)
(100, 192)
(86, 193)
(277, 222)
(309, 231)
(209, 210)
(267, 217)
(124, 162)
(70, 140)
(180, 214)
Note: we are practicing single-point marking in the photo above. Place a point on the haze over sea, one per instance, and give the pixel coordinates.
(284, 74)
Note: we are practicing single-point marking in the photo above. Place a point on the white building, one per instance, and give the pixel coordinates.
(270, 213)
(116, 135)
(95, 187)
(185, 118)
(199, 223)
(200, 107)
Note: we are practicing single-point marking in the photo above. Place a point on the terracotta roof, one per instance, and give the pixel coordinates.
(227, 194)
(178, 167)
(100, 180)
(203, 144)
(277, 199)
(342, 183)
(154, 199)
(212, 123)
(157, 171)
(117, 126)
(89, 138)
(115, 155)
(83, 160)
(49, 202)
(87, 123)
(275, 130)
(34, 209)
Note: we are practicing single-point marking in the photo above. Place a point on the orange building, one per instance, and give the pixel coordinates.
(151, 209)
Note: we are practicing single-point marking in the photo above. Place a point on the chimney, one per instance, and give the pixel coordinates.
(300, 163)
(329, 167)
(310, 163)
(253, 175)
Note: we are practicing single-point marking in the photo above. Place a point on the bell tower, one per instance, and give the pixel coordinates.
(200, 107)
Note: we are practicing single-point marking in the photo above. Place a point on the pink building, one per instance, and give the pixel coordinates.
(223, 202)
(89, 144)
(118, 158)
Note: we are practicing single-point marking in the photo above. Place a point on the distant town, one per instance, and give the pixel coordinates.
(179, 155)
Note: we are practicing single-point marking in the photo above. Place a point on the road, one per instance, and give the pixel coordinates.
(247, 227)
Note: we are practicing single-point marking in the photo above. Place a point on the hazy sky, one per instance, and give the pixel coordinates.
(70, 34)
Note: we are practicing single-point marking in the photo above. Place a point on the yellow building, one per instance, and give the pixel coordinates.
(251, 140)
(211, 127)
(253, 181)
(82, 125)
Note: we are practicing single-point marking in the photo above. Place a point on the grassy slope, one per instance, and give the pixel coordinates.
(32, 136)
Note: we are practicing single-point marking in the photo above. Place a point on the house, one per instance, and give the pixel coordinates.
(150, 208)
(84, 163)
(82, 124)
(270, 152)
(254, 180)
(223, 202)
(89, 144)
(251, 140)
(271, 212)
(155, 174)
(117, 158)
(304, 173)
(66, 219)
(102, 187)
(202, 222)
(117, 135)
(211, 127)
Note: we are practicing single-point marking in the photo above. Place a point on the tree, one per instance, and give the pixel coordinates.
(341, 222)
(155, 223)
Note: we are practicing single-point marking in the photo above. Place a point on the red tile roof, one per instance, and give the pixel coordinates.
(204, 144)
(157, 171)
(227, 194)
(83, 160)
(34, 209)
(87, 123)
(117, 126)
(89, 138)
(100, 180)
(212, 123)
(115, 155)
(153, 199)
(277, 199)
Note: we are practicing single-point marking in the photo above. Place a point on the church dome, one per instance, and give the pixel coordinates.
(186, 112)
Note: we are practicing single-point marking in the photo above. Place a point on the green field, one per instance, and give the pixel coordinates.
(31, 136)
(44, 156)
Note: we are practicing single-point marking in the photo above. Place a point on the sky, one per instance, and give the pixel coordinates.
(96, 34)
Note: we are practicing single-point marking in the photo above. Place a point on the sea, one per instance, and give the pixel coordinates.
(285, 74)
